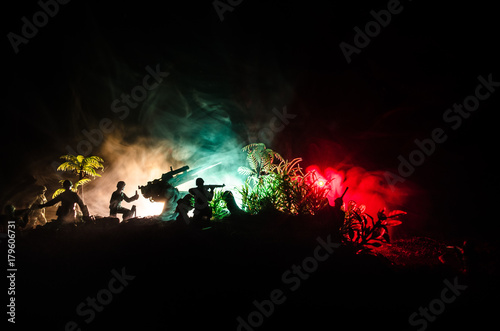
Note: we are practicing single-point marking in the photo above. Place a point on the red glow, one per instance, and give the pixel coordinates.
(368, 188)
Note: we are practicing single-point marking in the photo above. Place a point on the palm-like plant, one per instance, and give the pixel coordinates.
(75, 187)
(83, 167)
(260, 159)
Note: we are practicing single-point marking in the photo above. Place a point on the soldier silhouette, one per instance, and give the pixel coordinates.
(338, 213)
(66, 212)
(202, 195)
(115, 204)
(36, 216)
(11, 214)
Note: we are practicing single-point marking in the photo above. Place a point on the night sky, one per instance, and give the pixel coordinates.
(266, 55)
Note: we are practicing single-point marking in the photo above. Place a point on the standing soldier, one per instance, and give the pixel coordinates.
(19, 216)
(66, 212)
(338, 212)
(37, 216)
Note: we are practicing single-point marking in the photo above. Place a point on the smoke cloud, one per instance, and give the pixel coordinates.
(171, 134)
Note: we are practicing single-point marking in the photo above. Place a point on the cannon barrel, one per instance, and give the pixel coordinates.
(169, 175)
(156, 190)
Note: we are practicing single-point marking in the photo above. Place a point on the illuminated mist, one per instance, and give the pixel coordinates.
(171, 133)
(178, 124)
(365, 187)
(143, 161)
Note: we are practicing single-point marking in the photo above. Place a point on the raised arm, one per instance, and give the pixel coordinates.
(133, 198)
(51, 202)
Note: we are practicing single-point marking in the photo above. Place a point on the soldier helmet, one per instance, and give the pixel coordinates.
(67, 184)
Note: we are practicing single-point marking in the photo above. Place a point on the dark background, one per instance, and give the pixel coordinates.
(264, 55)
(268, 54)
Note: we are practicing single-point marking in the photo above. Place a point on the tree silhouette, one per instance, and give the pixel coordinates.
(83, 167)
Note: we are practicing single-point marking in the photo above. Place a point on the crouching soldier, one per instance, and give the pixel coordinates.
(115, 204)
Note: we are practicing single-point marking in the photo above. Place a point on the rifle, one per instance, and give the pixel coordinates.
(339, 201)
(342, 197)
(213, 186)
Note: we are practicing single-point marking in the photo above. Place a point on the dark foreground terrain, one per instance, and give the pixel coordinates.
(152, 275)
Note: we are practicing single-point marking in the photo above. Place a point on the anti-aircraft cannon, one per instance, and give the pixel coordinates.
(164, 190)
(155, 190)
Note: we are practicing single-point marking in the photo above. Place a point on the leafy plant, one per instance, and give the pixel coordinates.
(284, 187)
(279, 186)
(75, 187)
(260, 160)
(361, 232)
(265, 194)
(219, 205)
(309, 195)
(83, 167)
